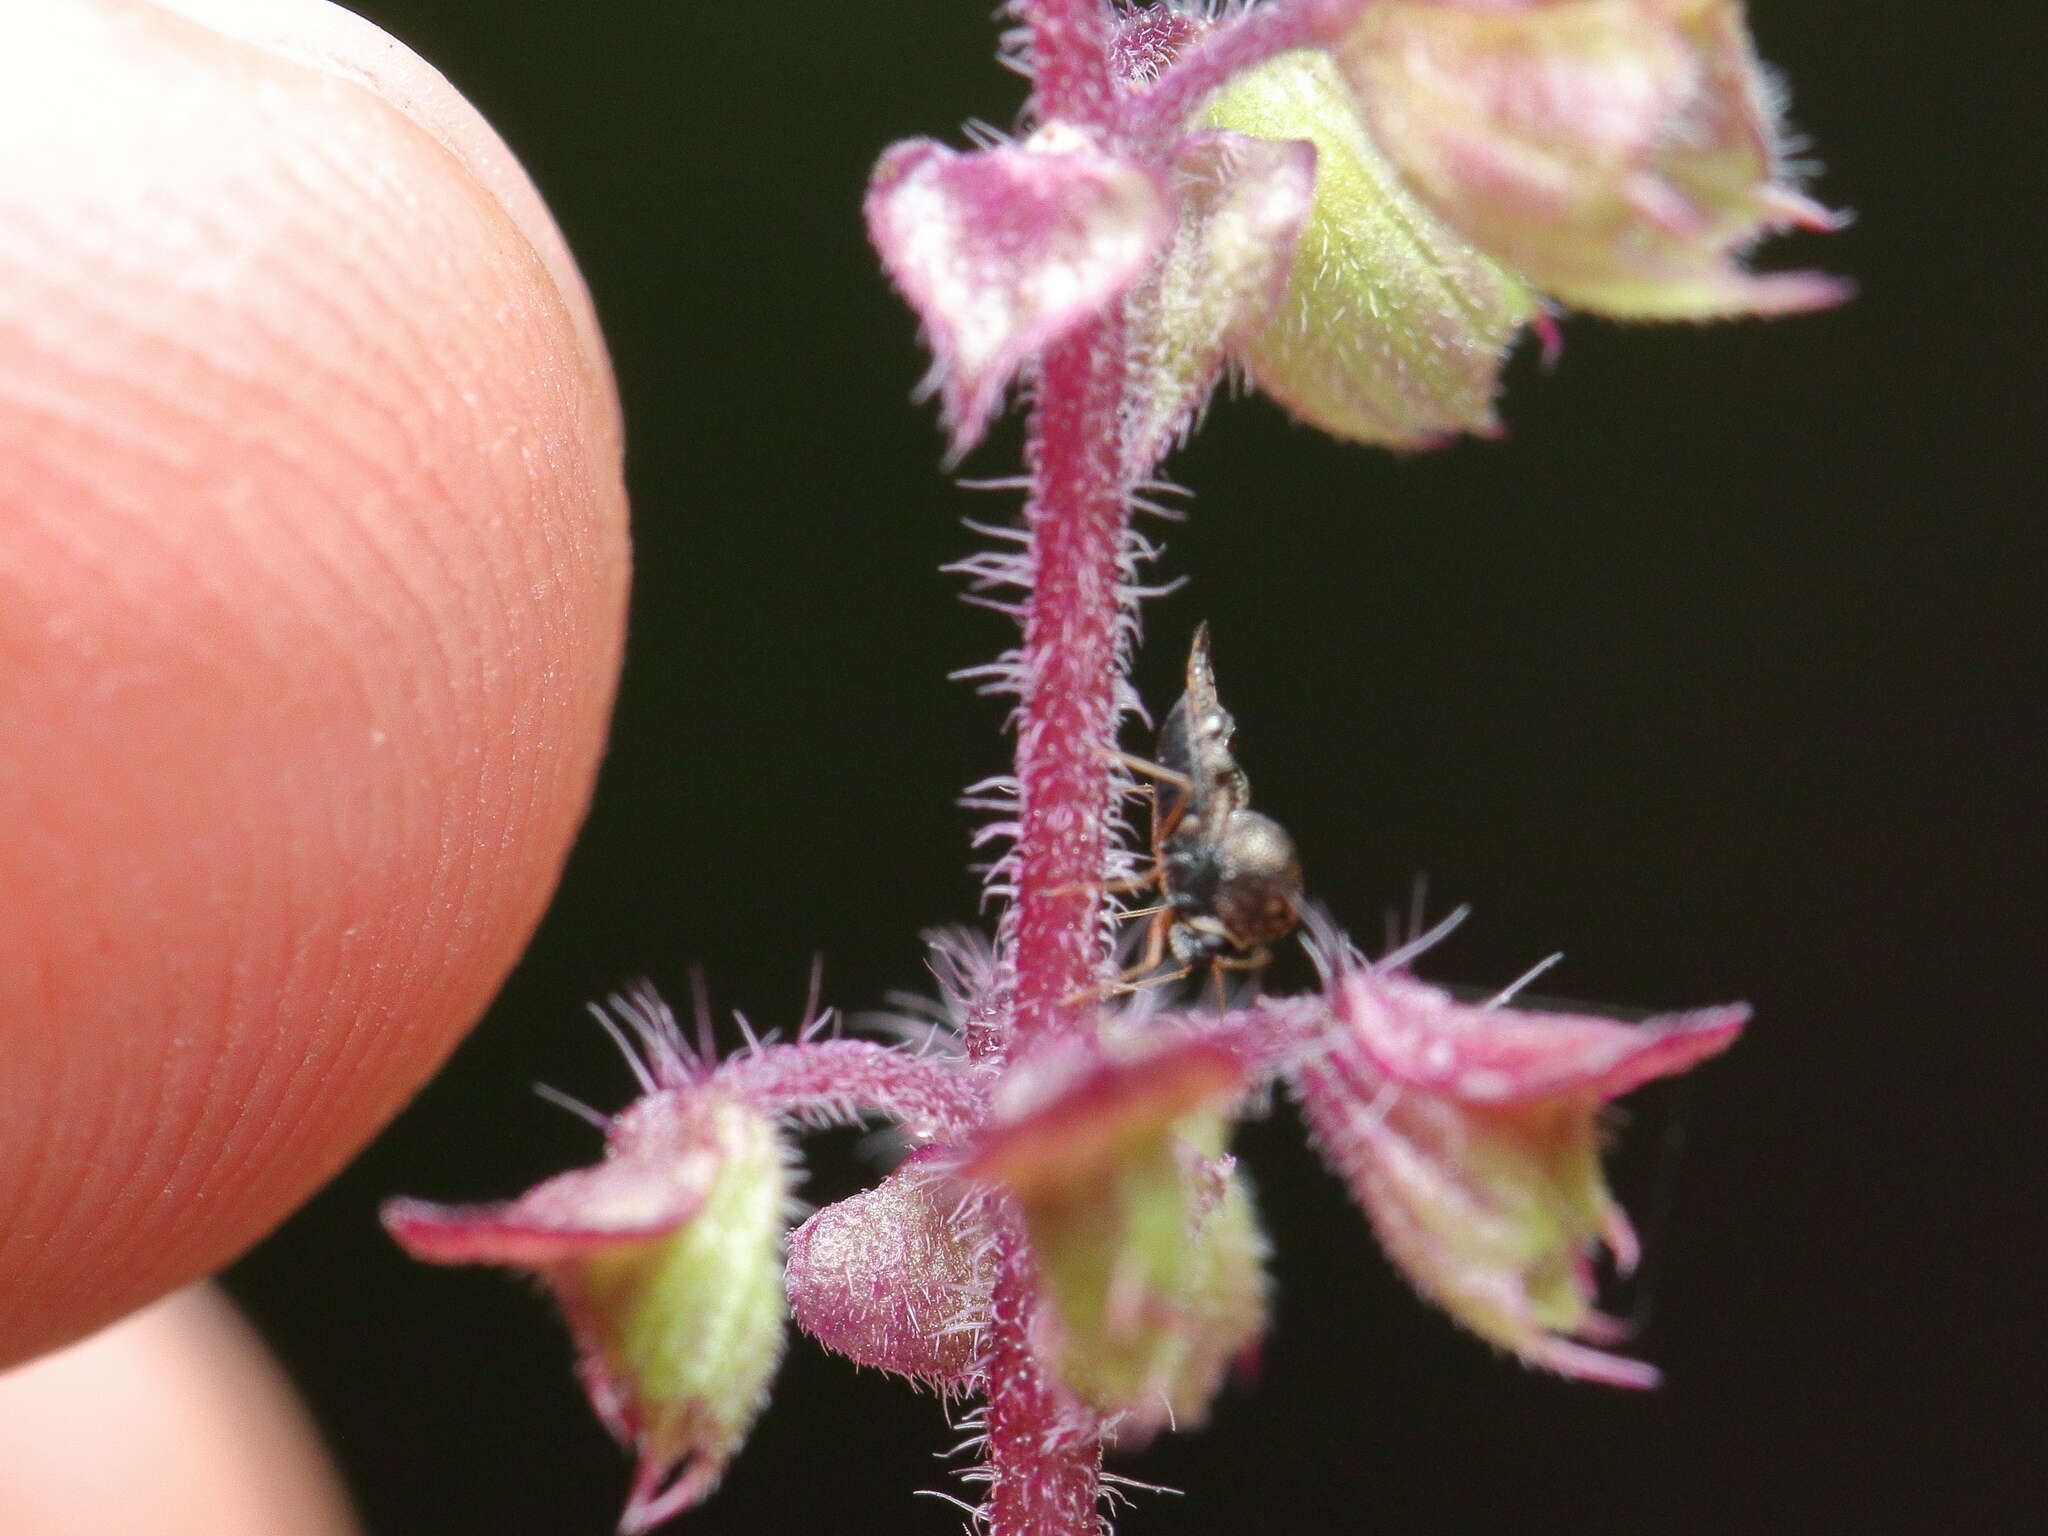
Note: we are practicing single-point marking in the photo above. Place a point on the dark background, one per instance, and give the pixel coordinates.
(1721, 674)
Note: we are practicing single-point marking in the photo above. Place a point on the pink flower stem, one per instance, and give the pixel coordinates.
(830, 1081)
(1045, 1456)
(1077, 514)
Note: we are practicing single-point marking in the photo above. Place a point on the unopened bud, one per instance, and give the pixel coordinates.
(897, 1276)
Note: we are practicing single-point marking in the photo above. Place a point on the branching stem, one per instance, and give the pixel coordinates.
(1044, 1461)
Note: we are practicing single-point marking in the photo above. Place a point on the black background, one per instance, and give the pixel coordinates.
(1721, 673)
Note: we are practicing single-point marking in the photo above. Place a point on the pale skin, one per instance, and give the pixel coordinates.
(313, 567)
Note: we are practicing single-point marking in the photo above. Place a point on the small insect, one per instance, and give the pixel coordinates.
(1228, 876)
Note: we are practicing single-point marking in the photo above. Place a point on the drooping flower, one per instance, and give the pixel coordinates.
(665, 1259)
(1147, 1254)
(1619, 154)
(1473, 158)
(1470, 1136)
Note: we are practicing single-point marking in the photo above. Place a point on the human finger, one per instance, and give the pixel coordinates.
(175, 1421)
(312, 577)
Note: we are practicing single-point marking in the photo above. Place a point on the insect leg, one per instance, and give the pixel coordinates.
(1126, 887)
(1152, 770)
(1155, 952)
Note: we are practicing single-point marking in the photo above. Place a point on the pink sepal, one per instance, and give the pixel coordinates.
(664, 1260)
(1469, 1134)
(1424, 1038)
(1083, 1113)
(658, 1167)
(1005, 250)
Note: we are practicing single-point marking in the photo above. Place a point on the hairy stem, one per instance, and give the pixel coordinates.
(1043, 1466)
(830, 1080)
(1045, 1457)
(1077, 515)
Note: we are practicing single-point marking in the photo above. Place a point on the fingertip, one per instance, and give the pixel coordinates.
(326, 39)
(175, 1421)
(313, 567)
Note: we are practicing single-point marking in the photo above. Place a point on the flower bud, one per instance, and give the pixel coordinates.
(1394, 329)
(897, 1276)
(1470, 1135)
(1147, 1255)
(1619, 154)
(665, 1258)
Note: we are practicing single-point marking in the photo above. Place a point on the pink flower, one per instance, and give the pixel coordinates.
(1470, 1136)
(1473, 161)
(1394, 328)
(1149, 1259)
(665, 1258)
(1619, 154)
